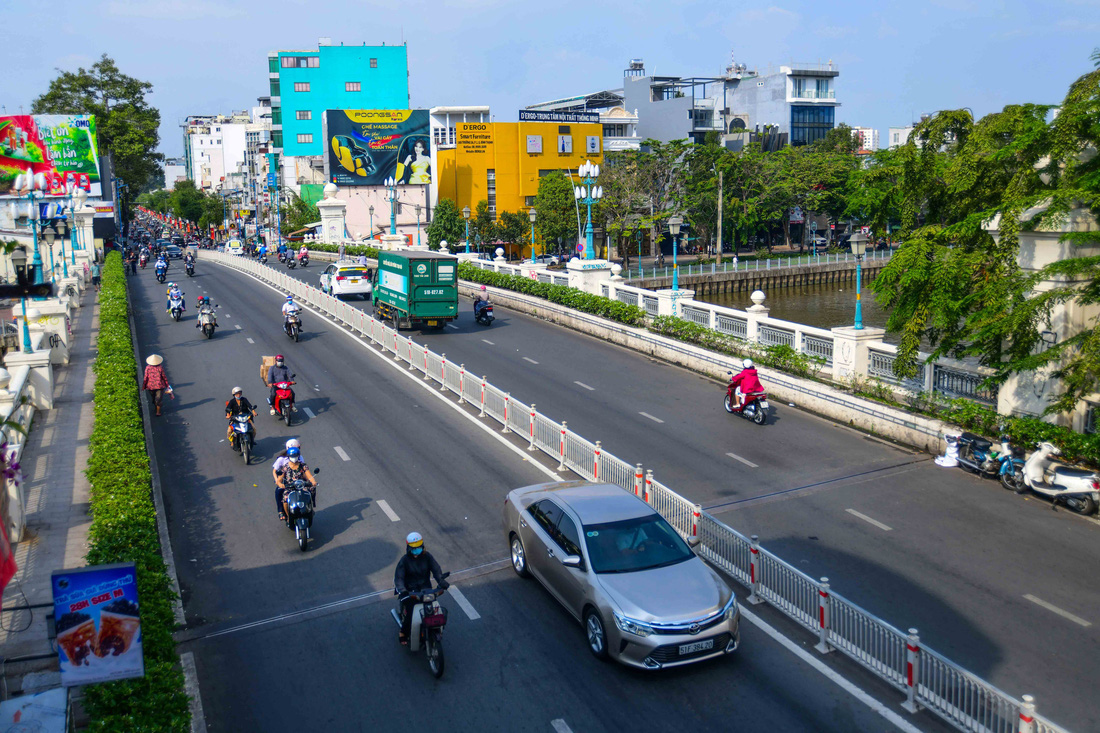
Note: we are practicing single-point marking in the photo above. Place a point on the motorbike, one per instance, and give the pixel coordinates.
(484, 313)
(176, 306)
(978, 455)
(207, 323)
(263, 259)
(190, 269)
(292, 327)
(143, 260)
(162, 275)
(303, 260)
(1077, 488)
(243, 439)
(291, 262)
(426, 629)
(298, 506)
(284, 402)
(282, 256)
(755, 408)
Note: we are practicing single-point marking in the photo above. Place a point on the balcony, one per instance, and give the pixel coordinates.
(813, 94)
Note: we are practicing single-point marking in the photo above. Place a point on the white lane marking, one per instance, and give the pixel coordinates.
(309, 412)
(530, 360)
(432, 390)
(582, 384)
(465, 604)
(1064, 614)
(488, 342)
(654, 419)
(228, 316)
(829, 673)
(237, 326)
(250, 340)
(560, 726)
(451, 325)
(867, 519)
(340, 452)
(385, 507)
(746, 461)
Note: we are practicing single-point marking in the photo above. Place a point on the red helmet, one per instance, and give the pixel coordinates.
(278, 357)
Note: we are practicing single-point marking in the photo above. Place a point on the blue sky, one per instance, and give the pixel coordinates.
(896, 59)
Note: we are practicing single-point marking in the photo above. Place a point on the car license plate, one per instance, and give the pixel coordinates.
(696, 647)
(433, 323)
(355, 281)
(764, 404)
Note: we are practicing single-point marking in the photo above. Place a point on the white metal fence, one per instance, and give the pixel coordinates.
(928, 679)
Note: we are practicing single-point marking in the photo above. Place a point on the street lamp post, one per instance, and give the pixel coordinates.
(391, 196)
(36, 262)
(418, 225)
(466, 216)
(79, 198)
(859, 247)
(531, 214)
(371, 222)
(674, 225)
(19, 262)
(588, 193)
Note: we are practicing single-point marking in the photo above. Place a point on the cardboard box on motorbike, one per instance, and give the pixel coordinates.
(267, 363)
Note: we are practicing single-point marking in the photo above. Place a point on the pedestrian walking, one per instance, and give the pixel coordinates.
(156, 381)
(95, 276)
(133, 263)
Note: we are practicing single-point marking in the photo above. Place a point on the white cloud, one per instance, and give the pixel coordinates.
(836, 31)
(171, 9)
(772, 14)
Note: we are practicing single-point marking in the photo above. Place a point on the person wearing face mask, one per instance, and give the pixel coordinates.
(414, 573)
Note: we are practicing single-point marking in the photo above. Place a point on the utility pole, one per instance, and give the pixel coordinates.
(718, 249)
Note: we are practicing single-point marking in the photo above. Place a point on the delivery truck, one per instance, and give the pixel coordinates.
(414, 289)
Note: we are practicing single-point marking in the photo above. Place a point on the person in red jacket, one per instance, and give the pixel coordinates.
(746, 382)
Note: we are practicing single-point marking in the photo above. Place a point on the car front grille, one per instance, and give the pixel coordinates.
(686, 628)
(671, 652)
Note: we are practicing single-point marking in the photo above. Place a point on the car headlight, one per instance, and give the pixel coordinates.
(731, 608)
(631, 626)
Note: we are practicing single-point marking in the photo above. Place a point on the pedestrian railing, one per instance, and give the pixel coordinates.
(928, 679)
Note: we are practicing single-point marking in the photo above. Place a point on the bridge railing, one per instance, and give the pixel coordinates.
(928, 679)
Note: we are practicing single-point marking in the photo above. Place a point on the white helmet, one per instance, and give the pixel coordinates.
(293, 443)
(237, 390)
(747, 364)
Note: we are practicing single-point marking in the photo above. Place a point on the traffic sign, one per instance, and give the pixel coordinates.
(271, 180)
(865, 230)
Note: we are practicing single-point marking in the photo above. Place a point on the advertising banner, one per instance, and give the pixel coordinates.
(51, 155)
(98, 629)
(367, 146)
(527, 115)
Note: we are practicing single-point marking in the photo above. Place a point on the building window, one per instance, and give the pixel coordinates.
(374, 63)
(397, 208)
(810, 124)
(305, 137)
(301, 62)
(303, 114)
(528, 200)
(274, 89)
(491, 191)
(276, 115)
(1092, 418)
(352, 86)
(273, 65)
(277, 138)
(301, 86)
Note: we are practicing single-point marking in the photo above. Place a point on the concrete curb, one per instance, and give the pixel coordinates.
(191, 687)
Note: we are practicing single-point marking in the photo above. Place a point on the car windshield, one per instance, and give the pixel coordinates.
(634, 544)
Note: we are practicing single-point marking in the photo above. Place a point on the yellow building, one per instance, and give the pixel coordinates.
(502, 162)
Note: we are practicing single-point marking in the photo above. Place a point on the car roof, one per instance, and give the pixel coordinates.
(593, 503)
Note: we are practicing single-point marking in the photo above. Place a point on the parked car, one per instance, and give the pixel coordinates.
(346, 279)
(548, 259)
(643, 596)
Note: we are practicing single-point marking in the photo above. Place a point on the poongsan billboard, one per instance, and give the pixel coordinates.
(50, 155)
(364, 147)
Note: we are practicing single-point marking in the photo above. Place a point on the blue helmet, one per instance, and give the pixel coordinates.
(293, 452)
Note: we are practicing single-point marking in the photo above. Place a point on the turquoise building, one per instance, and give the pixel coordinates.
(306, 83)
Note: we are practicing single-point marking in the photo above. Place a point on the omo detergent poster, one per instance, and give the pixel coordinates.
(367, 146)
(97, 623)
(50, 155)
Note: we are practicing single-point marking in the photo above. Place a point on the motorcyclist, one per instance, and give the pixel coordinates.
(303, 252)
(745, 382)
(295, 469)
(481, 299)
(189, 259)
(414, 572)
(262, 254)
(206, 307)
(278, 372)
(291, 308)
(161, 267)
(282, 251)
(237, 405)
(281, 460)
(174, 292)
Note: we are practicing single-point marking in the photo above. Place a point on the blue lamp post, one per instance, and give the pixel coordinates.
(19, 262)
(588, 193)
(531, 214)
(371, 222)
(466, 216)
(418, 225)
(36, 262)
(391, 196)
(674, 225)
(859, 247)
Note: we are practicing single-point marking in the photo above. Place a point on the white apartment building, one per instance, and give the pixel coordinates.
(867, 138)
(214, 146)
(174, 171)
(900, 135)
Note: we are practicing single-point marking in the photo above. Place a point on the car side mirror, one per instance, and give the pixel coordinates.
(571, 561)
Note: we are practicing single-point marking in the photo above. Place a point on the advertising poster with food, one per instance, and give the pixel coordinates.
(367, 146)
(97, 624)
(49, 155)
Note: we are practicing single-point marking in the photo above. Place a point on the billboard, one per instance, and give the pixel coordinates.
(51, 155)
(364, 147)
(527, 115)
(98, 627)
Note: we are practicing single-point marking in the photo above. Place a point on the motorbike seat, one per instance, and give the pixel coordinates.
(1071, 472)
(976, 441)
(755, 394)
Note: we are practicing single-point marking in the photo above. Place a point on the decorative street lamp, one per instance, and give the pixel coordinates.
(36, 262)
(62, 227)
(372, 221)
(674, 224)
(19, 262)
(466, 216)
(588, 194)
(531, 215)
(859, 247)
(49, 233)
(76, 203)
(391, 196)
(418, 225)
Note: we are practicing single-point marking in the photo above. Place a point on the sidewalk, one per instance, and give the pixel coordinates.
(56, 491)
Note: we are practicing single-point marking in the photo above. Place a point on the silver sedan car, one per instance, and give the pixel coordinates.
(642, 595)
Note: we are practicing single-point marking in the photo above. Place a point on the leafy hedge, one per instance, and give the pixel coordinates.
(597, 305)
(124, 527)
(1022, 431)
(352, 250)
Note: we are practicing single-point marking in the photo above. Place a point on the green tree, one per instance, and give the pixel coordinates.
(126, 124)
(187, 202)
(515, 228)
(297, 213)
(556, 214)
(483, 225)
(155, 200)
(447, 225)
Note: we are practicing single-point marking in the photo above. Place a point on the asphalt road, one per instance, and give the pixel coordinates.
(999, 583)
(285, 640)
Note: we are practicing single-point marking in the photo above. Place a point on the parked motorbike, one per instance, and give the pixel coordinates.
(284, 401)
(207, 323)
(755, 408)
(1077, 488)
(243, 439)
(298, 506)
(190, 269)
(292, 326)
(176, 305)
(426, 629)
(483, 312)
(303, 260)
(978, 455)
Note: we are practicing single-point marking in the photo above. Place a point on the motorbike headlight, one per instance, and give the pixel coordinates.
(631, 626)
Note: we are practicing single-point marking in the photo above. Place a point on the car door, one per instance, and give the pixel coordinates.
(570, 582)
(326, 276)
(542, 519)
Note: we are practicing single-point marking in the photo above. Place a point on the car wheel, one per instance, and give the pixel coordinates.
(519, 557)
(595, 633)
